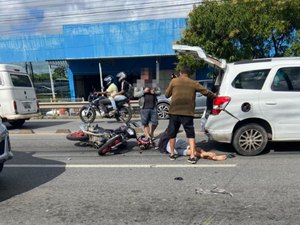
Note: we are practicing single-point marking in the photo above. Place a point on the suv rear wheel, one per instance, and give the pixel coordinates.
(250, 139)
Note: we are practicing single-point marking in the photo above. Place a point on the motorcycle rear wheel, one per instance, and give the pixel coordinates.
(87, 114)
(124, 114)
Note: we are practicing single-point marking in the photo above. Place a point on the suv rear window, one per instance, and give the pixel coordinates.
(20, 80)
(250, 79)
(287, 79)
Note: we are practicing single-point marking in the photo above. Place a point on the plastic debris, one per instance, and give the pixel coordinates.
(215, 190)
(202, 192)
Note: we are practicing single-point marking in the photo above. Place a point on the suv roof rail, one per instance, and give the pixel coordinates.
(252, 61)
(275, 59)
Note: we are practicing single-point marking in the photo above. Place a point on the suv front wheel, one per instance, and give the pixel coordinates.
(250, 139)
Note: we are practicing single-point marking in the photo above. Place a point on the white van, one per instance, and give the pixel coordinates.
(18, 100)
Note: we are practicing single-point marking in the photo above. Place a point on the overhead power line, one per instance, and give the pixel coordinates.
(150, 9)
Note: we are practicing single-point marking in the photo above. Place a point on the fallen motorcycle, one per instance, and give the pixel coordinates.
(109, 140)
(102, 105)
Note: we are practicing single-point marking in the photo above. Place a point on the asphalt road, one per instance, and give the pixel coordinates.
(54, 181)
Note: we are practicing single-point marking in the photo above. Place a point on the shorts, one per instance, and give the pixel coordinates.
(149, 116)
(175, 123)
(181, 147)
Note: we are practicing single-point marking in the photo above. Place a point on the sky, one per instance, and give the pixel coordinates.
(24, 17)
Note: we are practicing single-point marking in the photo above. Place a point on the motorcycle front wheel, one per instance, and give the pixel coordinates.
(102, 150)
(87, 114)
(78, 136)
(124, 114)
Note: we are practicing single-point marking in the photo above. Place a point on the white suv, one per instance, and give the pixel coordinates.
(258, 101)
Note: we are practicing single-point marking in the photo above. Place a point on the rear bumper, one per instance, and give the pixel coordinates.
(220, 127)
(21, 116)
(219, 136)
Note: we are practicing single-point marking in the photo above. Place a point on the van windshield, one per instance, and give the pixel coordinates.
(19, 80)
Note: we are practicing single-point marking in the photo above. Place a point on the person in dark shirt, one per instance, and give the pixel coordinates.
(148, 111)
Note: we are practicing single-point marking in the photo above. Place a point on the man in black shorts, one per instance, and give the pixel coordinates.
(148, 110)
(183, 91)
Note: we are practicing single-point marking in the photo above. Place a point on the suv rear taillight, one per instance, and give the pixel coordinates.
(219, 104)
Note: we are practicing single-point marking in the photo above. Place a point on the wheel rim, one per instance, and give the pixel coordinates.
(163, 111)
(86, 114)
(251, 140)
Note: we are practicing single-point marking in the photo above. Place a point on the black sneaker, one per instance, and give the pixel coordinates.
(172, 157)
(192, 160)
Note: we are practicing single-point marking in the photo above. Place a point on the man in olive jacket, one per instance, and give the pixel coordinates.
(183, 91)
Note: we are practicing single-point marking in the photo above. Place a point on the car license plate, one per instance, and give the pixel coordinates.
(27, 105)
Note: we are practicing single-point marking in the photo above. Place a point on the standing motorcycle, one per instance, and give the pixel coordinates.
(103, 106)
(108, 140)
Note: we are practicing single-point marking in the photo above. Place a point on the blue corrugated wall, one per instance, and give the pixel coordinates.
(103, 40)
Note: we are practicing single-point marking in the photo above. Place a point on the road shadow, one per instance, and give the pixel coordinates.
(279, 147)
(284, 147)
(130, 146)
(17, 180)
(215, 146)
(37, 124)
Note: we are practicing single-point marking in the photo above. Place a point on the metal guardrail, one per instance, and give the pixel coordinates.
(72, 105)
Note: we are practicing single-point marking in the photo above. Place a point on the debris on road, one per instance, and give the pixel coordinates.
(214, 190)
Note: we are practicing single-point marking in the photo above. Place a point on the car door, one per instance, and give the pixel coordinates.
(279, 102)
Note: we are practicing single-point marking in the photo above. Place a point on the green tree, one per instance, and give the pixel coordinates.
(242, 29)
(294, 50)
(59, 72)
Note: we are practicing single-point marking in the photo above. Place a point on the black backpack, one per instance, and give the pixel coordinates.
(163, 142)
(128, 90)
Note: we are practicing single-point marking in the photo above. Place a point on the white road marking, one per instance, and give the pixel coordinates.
(120, 166)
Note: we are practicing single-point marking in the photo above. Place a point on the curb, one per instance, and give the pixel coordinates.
(23, 131)
(63, 131)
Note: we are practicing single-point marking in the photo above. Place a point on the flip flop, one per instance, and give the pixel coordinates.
(230, 155)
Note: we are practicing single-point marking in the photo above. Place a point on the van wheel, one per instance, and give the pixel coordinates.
(1, 166)
(250, 140)
(17, 123)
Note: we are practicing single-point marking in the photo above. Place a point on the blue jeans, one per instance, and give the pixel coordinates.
(116, 98)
